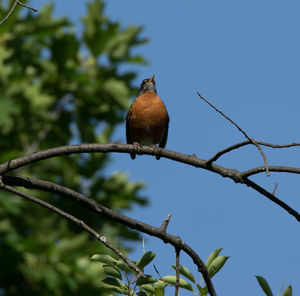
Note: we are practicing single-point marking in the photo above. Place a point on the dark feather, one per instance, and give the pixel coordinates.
(163, 142)
(128, 136)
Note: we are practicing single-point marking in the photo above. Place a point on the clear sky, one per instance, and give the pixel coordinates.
(243, 56)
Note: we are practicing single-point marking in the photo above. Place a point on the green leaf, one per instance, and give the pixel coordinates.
(7, 110)
(146, 259)
(288, 291)
(112, 271)
(141, 293)
(160, 284)
(216, 265)
(122, 266)
(103, 258)
(111, 284)
(159, 291)
(213, 256)
(148, 287)
(185, 272)
(203, 291)
(148, 280)
(171, 279)
(264, 285)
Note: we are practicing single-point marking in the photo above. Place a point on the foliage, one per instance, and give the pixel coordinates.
(56, 88)
(119, 278)
(267, 290)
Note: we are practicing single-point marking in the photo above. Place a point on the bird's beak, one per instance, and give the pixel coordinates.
(151, 79)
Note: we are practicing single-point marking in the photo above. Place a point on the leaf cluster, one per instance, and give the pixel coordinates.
(59, 87)
(121, 279)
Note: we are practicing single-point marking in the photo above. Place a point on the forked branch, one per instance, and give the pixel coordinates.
(175, 241)
(13, 8)
(252, 141)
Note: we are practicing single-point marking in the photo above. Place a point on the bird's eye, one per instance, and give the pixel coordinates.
(144, 82)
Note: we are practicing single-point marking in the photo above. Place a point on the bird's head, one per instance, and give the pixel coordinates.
(147, 84)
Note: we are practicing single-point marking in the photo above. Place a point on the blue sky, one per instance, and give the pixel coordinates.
(243, 56)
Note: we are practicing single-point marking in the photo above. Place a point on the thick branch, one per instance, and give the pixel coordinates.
(121, 148)
(175, 241)
(80, 223)
(233, 174)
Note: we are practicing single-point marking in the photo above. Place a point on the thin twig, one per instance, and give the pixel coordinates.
(165, 223)
(273, 198)
(177, 250)
(241, 130)
(9, 13)
(241, 144)
(272, 168)
(275, 187)
(28, 7)
(160, 277)
(175, 241)
(80, 223)
(13, 8)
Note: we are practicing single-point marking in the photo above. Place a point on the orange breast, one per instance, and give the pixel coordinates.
(148, 119)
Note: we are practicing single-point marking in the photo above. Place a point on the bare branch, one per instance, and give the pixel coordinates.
(241, 144)
(273, 168)
(193, 160)
(278, 146)
(9, 13)
(274, 190)
(13, 8)
(80, 223)
(273, 198)
(226, 150)
(241, 130)
(165, 223)
(28, 7)
(90, 203)
(177, 250)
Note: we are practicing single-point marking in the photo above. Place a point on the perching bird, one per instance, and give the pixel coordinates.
(147, 121)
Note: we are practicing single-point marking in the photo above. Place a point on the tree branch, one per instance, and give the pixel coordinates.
(80, 223)
(13, 8)
(177, 251)
(241, 144)
(273, 198)
(274, 168)
(175, 241)
(233, 174)
(274, 190)
(241, 130)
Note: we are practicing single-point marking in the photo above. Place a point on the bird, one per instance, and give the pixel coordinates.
(147, 121)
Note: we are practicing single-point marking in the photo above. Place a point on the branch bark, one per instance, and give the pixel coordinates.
(13, 8)
(252, 141)
(177, 251)
(75, 220)
(175, 241)
(241, 144)
(193, 160)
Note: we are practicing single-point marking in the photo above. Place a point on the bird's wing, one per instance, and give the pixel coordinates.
(165, 137)
(128, 136)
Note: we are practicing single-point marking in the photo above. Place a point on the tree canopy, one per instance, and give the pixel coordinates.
(59, 87)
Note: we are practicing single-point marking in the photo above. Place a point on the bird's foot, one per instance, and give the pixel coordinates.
(155, 149)
(138, 147)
